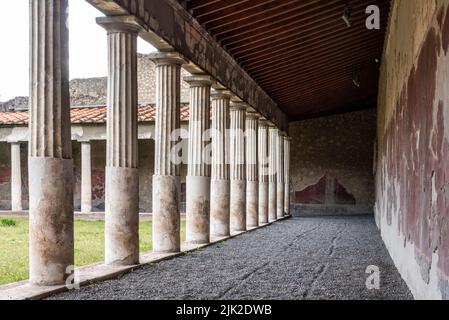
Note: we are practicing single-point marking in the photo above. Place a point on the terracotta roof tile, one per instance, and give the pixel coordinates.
(14, 118)
(86, 115)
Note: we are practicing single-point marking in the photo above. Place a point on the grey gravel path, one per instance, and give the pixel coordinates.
(300, 258)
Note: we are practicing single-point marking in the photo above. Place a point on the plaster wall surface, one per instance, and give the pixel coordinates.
(412, 175)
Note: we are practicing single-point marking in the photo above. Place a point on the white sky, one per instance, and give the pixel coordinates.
(88, 50)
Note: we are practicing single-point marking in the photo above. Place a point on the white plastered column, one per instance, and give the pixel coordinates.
(273, 135)
(238, 167)
(50, 164)
(166, 179)
(86, 177)
(287, 144)
(122, 174)
(198, 168)
(252, 170)
(263, 170)
(280, 185)
(16, 177)
(220, 185)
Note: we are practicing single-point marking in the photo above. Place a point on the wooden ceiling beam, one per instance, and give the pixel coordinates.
(292, 60)
(196, 4)
(331, 29)
(235, 12)
(268, 24)
(316, 68)
(223, 5)
(306, 23)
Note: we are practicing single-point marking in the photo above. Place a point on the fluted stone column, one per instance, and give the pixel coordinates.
(287, 142)
(263, 171)
(86, 177)
(220, 186)
(166, 179)
(122, 174)
(198, 166)
(273, 134)
(16, 177)
(50, 162)
(280, 175)
(237, 167)
(252, 171)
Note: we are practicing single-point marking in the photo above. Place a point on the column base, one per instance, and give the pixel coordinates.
(17, 208)
(238, 205)
(166, 216)
(122, 216)
(198, 210)
(51, 220)
(287, 199)
(263, 202)
(219, 208)
(272, 202)
(280, 204)
(252, 204)
(86, 210)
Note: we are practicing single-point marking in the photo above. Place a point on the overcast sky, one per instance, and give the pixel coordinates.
(88, 51)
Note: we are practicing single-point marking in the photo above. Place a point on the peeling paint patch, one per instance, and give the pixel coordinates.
(98, 186)
(412, 174)
(327, 191)
(5, 174)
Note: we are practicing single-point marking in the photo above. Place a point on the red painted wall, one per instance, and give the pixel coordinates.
(412, 183)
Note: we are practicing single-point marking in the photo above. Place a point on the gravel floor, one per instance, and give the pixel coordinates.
(300, 258)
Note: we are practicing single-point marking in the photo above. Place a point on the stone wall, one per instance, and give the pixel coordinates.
(412, 172)
(88, 92)
(147, 81)
(332, 164)
(93, 91)
(16, 103)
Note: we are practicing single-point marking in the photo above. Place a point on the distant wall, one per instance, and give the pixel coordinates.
(332, 164)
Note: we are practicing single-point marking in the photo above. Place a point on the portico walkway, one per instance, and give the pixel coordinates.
(300, 258)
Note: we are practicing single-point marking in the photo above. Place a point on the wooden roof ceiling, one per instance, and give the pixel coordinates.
(301, 52)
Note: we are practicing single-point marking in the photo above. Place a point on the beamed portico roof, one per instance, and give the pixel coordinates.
(301, 52)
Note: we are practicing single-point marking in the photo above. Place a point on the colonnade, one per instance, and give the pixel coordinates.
(243, 185)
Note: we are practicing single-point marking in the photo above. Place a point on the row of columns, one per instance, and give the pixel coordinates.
(86, 177)
(243, 186)
(257, 194)
(257, 177)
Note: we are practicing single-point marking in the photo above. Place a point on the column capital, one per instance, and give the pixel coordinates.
(167, 58)
(199, 80)
(235, 98)
(272, 126)
(217, 94)
(114, 24)
(282, 134)
(251, 114)
(263, 122)
(238, 106)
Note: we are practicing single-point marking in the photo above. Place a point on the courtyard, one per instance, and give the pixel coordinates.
(284, 149)
(89, 245)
